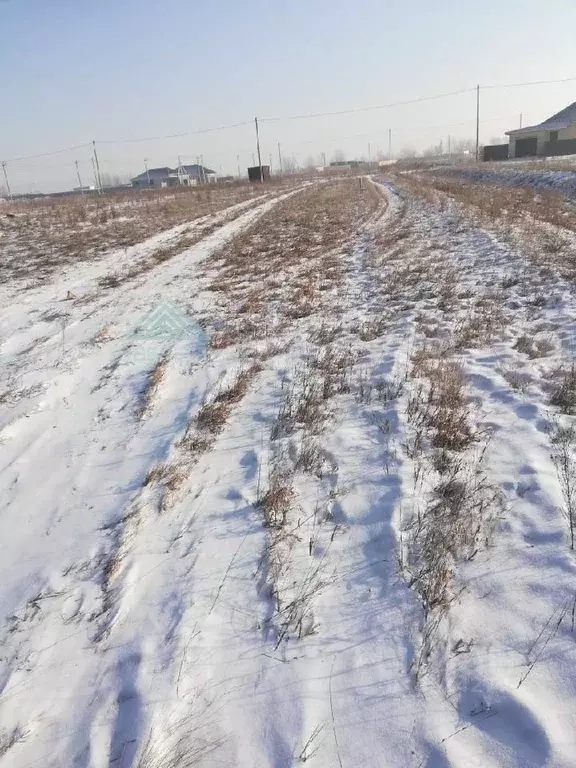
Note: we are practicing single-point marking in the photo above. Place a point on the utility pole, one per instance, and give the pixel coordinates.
(6, 179)
(202, 169)
(95, 174)
(520, 119)
(324, 159)
(389, 143)
(369, 156)
(147, 171)
(258, 148)
(270, 162)
(97, 168)
(238, 164)
(79, 179)
(280, 158)
(477, 123)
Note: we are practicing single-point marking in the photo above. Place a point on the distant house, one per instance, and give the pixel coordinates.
(347, 165)
(197, 174)
(555, 136)
(187, 175)
(153, 177)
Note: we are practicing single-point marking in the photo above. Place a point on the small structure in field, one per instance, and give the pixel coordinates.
(254, 173)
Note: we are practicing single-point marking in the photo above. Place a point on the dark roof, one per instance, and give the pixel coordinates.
(562, 119)
(196, 170)
(162, 173)
(154, 173)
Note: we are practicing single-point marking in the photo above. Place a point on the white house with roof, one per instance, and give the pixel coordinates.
(555, 136)
(187, 175)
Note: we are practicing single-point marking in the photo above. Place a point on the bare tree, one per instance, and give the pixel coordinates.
(463, 146)
(432, 151)
(288, 164)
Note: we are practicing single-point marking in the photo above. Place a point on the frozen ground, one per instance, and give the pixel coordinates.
(285, 495)
(563, 182)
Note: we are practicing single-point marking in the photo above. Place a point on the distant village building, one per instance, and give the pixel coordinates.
(554, 137)
(348, 165)
(184, 175)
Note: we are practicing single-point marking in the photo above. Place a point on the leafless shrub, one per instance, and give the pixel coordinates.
(169, 474)
(486, 323)
(325, 333)
(186, 744)
(563, 394)
(373, 329)
(212, 417)
(563, 442)
(442, 407)
(303, 405)
(534, 347)
(276, 501)
(195, 444)
(454, 522)
(389, 389)
(518, 380)
(312, 458)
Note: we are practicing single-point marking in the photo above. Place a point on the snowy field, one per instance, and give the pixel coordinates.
(292, 482)
(550, 180)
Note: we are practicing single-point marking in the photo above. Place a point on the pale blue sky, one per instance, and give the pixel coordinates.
(74, 70)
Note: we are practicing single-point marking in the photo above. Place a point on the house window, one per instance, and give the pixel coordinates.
(553, 135)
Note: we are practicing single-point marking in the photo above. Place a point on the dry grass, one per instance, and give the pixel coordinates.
(152, 385)
(540, 223)
(454, 522)
(289, 264)
(454, 503)
(563, 394)
(440, 404)
(535, 347)
(199, 436)
(48, 233)
(276, 501)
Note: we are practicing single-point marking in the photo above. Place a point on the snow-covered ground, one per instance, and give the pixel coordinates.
(563, 182)
(331, 535)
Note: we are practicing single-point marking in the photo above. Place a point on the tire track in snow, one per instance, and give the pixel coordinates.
(79, 478)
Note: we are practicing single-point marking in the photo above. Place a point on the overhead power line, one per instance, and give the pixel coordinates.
(335, 113)
(48, 154)
(176, 135)
(533, 82)
(355, 110)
